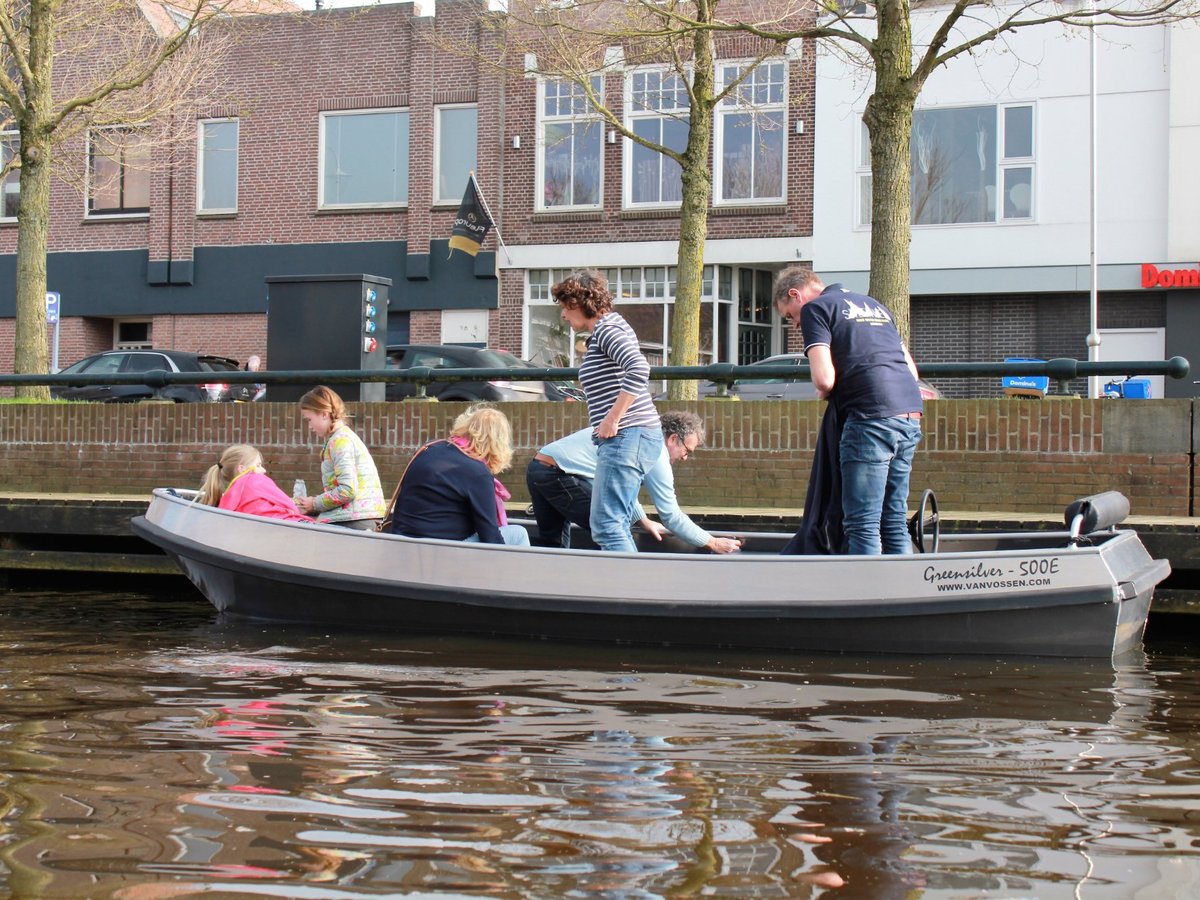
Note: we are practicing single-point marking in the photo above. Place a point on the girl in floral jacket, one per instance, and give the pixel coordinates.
(352, 494)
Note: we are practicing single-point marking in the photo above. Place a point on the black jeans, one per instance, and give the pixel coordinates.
(559, 499)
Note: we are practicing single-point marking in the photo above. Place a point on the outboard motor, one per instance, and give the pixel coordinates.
(1098, 512)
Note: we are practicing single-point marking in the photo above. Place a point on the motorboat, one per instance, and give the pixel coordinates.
(1081, 591)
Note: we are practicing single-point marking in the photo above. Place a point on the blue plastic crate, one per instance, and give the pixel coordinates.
(1137, 389)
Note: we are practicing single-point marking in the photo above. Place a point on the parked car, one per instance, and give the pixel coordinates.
(557, 390)
(459, 356)
(788, 388)
(111, 362)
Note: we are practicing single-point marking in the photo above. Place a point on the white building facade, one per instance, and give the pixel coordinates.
(1002, 190)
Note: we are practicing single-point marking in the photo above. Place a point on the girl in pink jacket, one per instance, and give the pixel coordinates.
(238, 482)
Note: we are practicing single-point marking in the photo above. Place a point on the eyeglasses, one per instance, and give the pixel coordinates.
(686, 450)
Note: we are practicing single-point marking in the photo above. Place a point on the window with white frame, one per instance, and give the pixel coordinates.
(455, 137)
(1016, 163)
(750, 130)
(571, 134)
(118, 172)
(217, 166)
(970, 164)
(10, 187)
(364, 158)
(863, 176)
(645, 297)
(657, 109)
(134, 335)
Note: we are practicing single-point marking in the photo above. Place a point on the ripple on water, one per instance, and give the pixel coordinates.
(161, 753)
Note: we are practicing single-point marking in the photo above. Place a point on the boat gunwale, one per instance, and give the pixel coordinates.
(1085, 548)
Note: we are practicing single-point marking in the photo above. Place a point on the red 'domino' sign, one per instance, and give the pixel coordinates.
(1153, 276)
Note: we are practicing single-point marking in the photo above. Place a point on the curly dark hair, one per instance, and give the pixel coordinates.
(681, 423)
(586, 290)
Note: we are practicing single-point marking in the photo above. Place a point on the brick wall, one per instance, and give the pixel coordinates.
(993, 327)
(1004, 455)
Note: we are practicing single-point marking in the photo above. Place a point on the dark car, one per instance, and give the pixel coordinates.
(112, 362)
(457, 356)
(787, 388)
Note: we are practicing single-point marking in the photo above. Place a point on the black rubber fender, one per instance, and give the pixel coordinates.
(1099, 511)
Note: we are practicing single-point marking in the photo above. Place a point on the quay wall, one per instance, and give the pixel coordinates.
(994, 454)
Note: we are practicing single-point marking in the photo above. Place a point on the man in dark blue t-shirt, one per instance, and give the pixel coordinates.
(859, 362)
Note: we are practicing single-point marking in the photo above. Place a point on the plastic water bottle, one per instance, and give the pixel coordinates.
(299, 489)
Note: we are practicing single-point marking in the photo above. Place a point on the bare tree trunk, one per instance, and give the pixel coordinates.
(693, 221)
(888, 117)
(32, 353)
(31, 356)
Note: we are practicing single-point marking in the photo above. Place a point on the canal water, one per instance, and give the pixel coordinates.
(149, 749)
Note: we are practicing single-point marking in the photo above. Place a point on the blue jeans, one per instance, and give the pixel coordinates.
(514, 536)
(559, 499)
(876, 460)
(622, 462)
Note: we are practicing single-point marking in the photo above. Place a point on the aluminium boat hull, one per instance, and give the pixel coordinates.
(1022, 593)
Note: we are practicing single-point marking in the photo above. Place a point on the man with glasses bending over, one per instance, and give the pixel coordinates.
(560, 476)
(858, 362)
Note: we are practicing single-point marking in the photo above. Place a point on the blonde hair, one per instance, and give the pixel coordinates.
(217, 478)
(488, 434)
(322, 399)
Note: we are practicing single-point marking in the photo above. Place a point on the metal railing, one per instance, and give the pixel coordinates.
(1062, 371)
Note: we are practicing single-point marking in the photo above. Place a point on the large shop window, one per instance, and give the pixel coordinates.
(750, 133)
(658, 109)
(364, 159)
(118, 172)
(971, 164)
(217, 166)
(10, 187)
(569, 158)
(645, 296)
(456, 135)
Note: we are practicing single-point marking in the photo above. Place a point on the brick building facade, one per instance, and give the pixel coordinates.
(340, 146)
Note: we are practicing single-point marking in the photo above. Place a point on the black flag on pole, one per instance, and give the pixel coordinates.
(472, 223)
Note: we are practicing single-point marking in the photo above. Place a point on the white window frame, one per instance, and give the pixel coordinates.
(201, 174)
(325, 116)
(862, 171)
(735, 105)
(635, 112)
(1007, 163)
(11, 139)
(583, 118)
(137, 213)
(147, 344)
(628, 284)
(863, 184)
(456, 195)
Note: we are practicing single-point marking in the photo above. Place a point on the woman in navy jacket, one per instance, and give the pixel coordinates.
(449, 489)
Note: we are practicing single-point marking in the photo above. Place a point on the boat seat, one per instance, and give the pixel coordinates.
(1098, 512)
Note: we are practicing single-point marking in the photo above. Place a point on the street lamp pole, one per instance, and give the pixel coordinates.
(1093, 338)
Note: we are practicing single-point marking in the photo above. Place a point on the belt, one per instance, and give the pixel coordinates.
(545, 460)
(909, 415)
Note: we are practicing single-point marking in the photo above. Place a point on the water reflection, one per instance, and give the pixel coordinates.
(160, 754)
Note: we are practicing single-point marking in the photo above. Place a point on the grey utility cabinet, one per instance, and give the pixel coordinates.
(327, 322)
